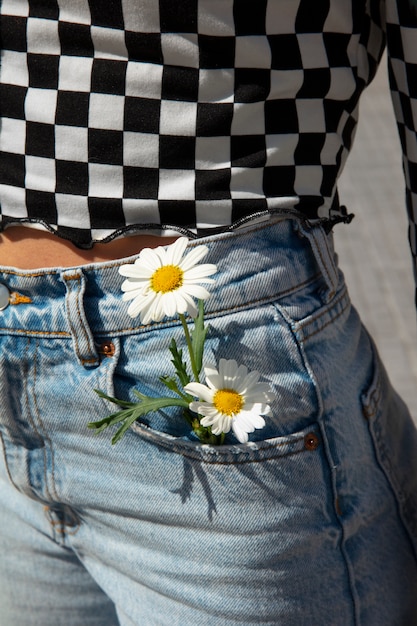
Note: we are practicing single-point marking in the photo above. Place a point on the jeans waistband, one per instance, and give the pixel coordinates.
(255, 264)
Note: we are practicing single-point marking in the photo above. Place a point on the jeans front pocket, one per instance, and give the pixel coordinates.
(394, 437)
(259, 338)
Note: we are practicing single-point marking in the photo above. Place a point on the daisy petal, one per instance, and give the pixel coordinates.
(192, 309)
(240, 434)
(206, 409)
(257, 407)
(264, 393)
(158, 308)
(173, 296)
(169, 304)
(175, 251)
(137, 306)
(223, 411)
(249, 421)
(217, 423)
(181, 302)
(213, 378)
(193, 257)
(200, 391)
(149, 258)
(189, 302)
(135, 271)
(227, 370)
(130, 295)
(140, 301)
(134, 285)
(200, 272)
(196, 290)
(251, 379)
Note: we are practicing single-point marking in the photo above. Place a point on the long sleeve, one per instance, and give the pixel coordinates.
(401, 28)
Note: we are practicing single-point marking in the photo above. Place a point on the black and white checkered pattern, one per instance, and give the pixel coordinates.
(128, 114)
(401, 31)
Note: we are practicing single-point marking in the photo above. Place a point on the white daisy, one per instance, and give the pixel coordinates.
(232, 399)
(163, 282)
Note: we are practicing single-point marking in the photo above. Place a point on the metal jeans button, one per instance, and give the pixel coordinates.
(4, 297)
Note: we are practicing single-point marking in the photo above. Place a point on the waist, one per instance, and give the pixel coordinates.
(255, 265)
(27, 248)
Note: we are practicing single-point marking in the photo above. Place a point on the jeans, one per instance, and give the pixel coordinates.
(312, 522)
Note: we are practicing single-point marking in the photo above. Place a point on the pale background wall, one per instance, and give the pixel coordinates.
(373, 250)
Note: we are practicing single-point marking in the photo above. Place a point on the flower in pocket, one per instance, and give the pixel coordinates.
(232, 399)
(163, 281)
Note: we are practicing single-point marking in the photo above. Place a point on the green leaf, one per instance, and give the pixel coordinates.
(169, 382)
(134, 412)
(172, 385)
(114, 400)
(149, 404)
(198, 336)
(178, 363)
(114, 418)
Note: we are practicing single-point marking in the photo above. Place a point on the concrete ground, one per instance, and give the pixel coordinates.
(373, 250)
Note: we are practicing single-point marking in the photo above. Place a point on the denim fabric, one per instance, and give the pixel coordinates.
(313, 522)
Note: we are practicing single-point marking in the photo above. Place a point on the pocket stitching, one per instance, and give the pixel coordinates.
(371, 401)
(223, 455)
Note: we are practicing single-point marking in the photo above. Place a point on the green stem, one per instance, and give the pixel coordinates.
(190, 347)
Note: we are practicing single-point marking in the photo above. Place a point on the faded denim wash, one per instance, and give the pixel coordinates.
(311, 523)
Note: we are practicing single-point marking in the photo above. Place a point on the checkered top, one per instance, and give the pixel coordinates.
(121, 115)
(401, 32)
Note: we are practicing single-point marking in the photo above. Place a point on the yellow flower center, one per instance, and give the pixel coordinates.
(167, 278)
(228, 401)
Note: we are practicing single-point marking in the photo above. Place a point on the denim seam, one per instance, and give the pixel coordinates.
(371, 407)
(67, 279)
(224, 311)
(202, 458)
(30, 416)
(24, 331)
(242, 462)
(3, 445)
(303, 356)
(74, 334)
(328, 276)
(172, 322)
(339, 520)
(324, 263)
(267, 299)
(45, 435)
(326, 447)
(17, 298)
(199, 452)
(323, 377)
(28, 275)
(406, 507)
(60, 527)
(328, 311)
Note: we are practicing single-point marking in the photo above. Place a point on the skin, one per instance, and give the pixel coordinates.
(26, 248)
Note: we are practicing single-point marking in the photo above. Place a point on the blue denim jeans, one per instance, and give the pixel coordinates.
(312, 522)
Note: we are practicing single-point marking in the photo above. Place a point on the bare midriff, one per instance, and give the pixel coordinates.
(27, 248)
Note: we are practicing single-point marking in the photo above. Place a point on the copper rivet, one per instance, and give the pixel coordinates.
(108, 348)
(311, 441)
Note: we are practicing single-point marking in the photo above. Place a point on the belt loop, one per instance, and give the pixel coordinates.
(83, 341)
(322, 247)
